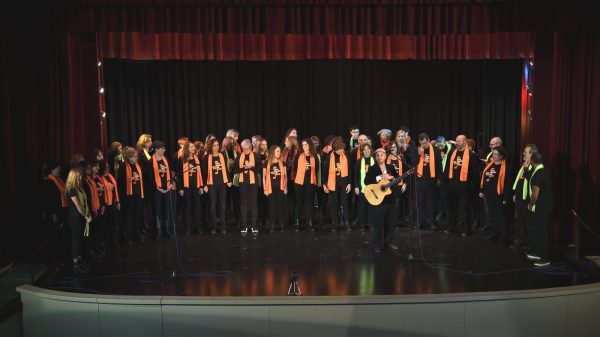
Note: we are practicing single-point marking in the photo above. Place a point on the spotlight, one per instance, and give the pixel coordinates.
(99, 64)
(530, 94)
(531, 63)
(103, 114)
(101, 90)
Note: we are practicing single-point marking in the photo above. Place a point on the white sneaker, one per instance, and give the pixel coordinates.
(254, 231)
(244, 231)
(532, 257)
(542, 263)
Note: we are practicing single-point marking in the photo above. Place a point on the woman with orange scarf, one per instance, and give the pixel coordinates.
(336, 183)
(306, 164)
(495, 191)
(162, 198)
(275, 186)
(248, 166)
(191, 186)
(131, 184)
(217, 182)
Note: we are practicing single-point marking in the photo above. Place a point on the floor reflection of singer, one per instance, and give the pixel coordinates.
(383, 213)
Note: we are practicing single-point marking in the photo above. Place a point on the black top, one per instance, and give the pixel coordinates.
(135, 181)
(518, 191)
(371, 178)
(162, 173)
(427, 161)
(51, 198)
(101, 190)
(146, 167)
(215, 166)
(412, 154)
(74, 214)
(490, 182)
(356, 174)
(545, 200)
(339, 180)
(242, 171)
(275, 176)
(308, 167)
(192, 172)
(456, 166)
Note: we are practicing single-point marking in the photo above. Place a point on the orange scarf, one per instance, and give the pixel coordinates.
(358, 153)
(94, 193)
(389, 161)
(464, 170)
(186, 173)
(209, 180)
(129, 182)
(332, 169)
(250, 173)
(267, 178)
(301, 170)
(157, 179)
(500, 186)
(61, 187)
(109, 180)
(431, 163)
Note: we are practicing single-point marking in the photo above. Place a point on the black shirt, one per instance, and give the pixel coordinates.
(246, 173)
(427, 162)
(338, 170)
(545, 200)
(192, 172)
(74, 214)
(162, 173)
(371, 178)
(101, 190)
(456, 165)
(518, 192)
(135, 180)
(217, 173)
(275, 176)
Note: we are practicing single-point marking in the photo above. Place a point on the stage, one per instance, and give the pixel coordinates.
(327, 264)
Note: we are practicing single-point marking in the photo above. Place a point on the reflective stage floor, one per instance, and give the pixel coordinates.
(326, 263)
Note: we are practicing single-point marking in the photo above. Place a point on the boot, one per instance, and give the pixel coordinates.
(348, 229)
(158, 229)
(297, 225)
(244, 230)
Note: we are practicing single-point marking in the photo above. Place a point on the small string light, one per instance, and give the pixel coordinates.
(99, 64)
(101, 90)
(103, 114)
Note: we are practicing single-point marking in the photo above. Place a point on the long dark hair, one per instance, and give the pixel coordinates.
(311, 147)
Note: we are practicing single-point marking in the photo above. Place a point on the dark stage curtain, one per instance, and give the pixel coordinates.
(170, 99)
(566, 125)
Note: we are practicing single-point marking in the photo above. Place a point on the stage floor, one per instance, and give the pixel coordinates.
(327, 264)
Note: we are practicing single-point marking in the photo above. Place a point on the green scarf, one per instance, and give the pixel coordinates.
(540, 166)
(363, 173)
(525, 183)
(448, 147)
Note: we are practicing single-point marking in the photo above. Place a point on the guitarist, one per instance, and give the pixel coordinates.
(383, 214)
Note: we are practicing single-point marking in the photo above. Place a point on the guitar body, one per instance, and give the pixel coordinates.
(375, 193)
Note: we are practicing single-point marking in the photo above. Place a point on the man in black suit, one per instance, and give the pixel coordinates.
(383, 218)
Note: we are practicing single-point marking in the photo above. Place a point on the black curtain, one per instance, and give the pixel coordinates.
(169, 99)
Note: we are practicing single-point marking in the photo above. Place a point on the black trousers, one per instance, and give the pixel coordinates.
(248, 203)
(99, 229)
(383, 219)
(363, 210)
(540, 234)
(111, 216)
(163, 208)
(291, 201)
(426, 195)
(131, 212)
(459, 201)
(276, 207)
(192, 207)
(523, 219)
(77, 224)
(304, 200)
(495, 215)
(338, 199)
(263, 206)
(217, 195)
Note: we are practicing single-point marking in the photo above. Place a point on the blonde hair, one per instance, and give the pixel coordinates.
(143, 139)
(74, 180)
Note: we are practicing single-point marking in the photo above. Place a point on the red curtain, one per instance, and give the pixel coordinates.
(272, 47)
(566, 122)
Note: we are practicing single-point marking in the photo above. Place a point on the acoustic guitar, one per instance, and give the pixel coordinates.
(374, 193)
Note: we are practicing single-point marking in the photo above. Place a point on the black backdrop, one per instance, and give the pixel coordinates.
(169, 99)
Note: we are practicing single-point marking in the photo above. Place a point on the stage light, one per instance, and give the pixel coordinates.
(101, 90)
(99, 64)
(530, 94)
(531, 63)
(103, 114)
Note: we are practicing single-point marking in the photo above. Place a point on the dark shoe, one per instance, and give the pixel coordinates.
(297, 225)
(223, 231)
(213, 231)
(377, 250)
(542, 263)
(244, 231)
(254, 232)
